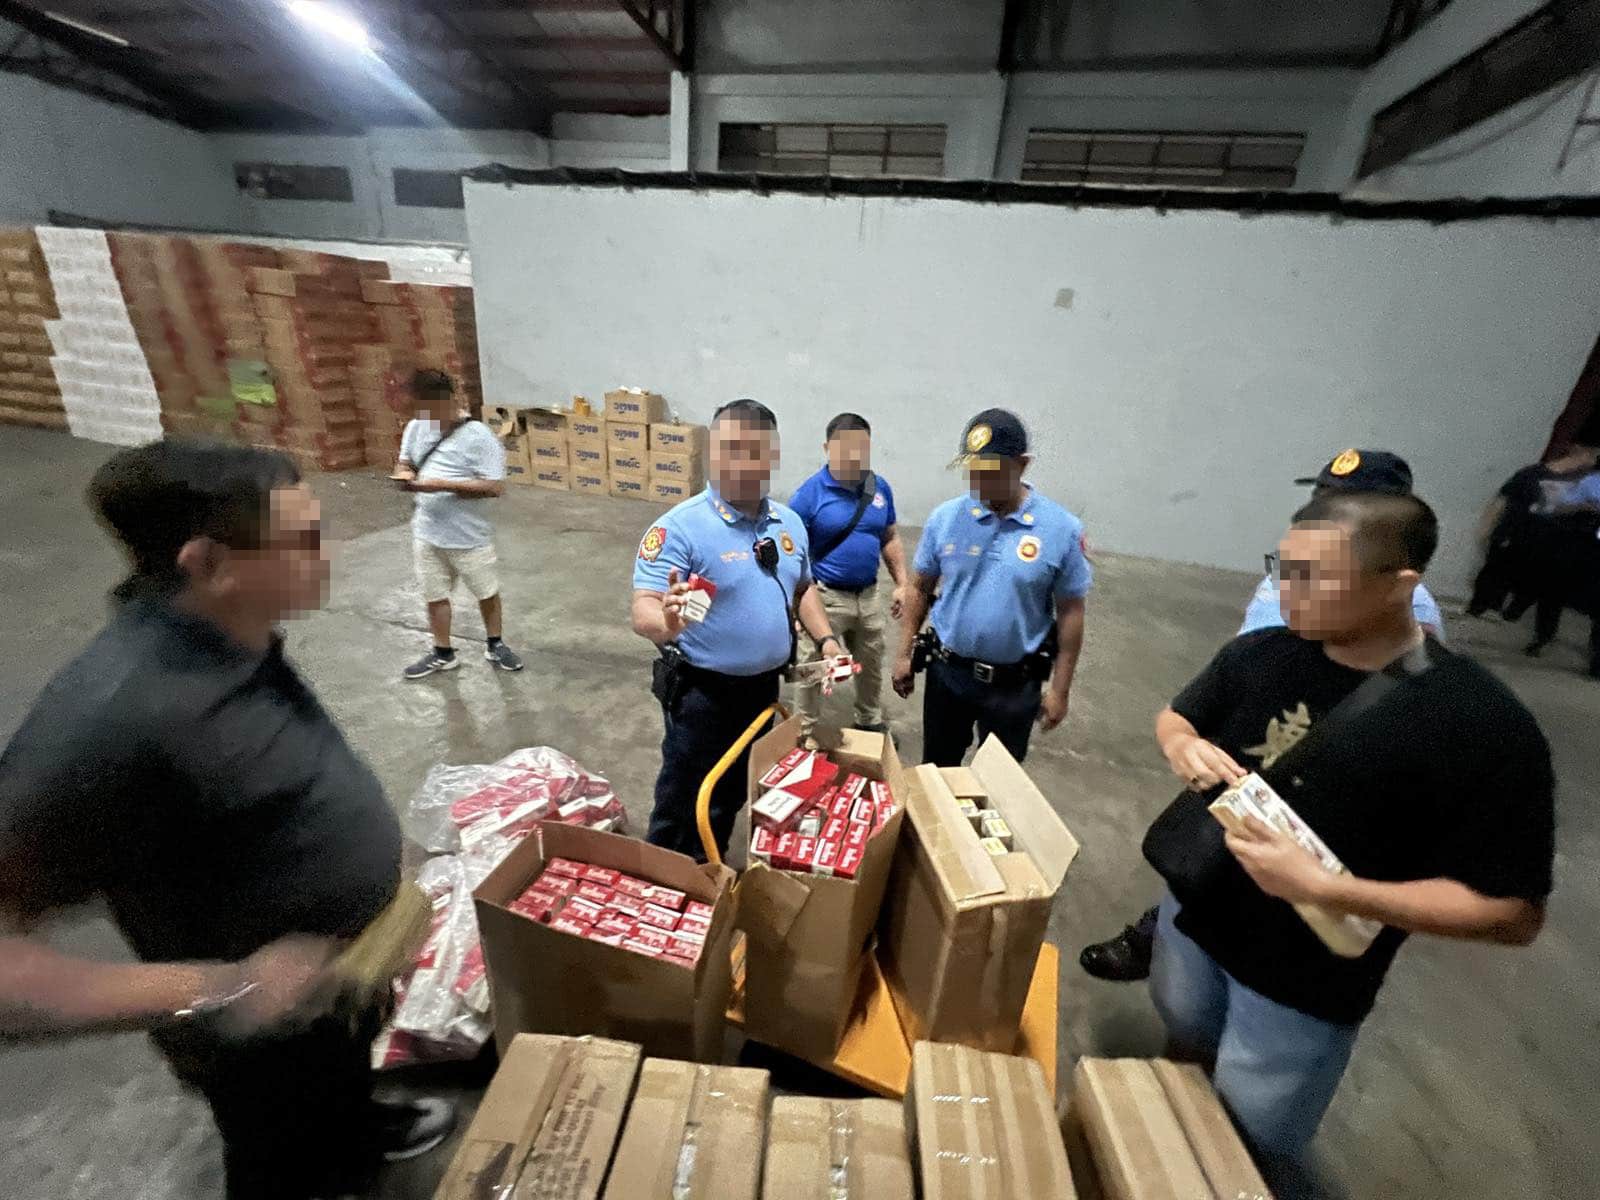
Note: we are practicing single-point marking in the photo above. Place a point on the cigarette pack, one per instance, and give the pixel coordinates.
(612, 921)
(600, 894)
(880, 794)
(604, 876)
(1344, 934)
(862, 811)
(641, 946)
(777, 809)
(856, 835)
(835, 829)
(659, 916)
(583, 909)
(994, 846)
(826, 857)
(625, 903)
(697, 600)
(881, 816)
(573, 810)
(761, 841)
(783, 849)
(842, 804)
(780, 769)
(536, 903)
(810, 824)
(666, 897)
(658, 938)
(610, 938)
(682, 947)
(629, 886)
(692, 929)
(564, 866)
(994, 826)
(676, 961)
(849, 862)
(697, 910)
(571, 925)
(854, 786)
(971, 811)
(805, 853)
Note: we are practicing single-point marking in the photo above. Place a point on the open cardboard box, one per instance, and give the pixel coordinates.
(808, 936)
(542, 980)
(962, 928)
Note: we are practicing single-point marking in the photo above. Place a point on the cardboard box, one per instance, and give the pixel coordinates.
(670, 491)
(620, 461)
(962, 928)
(690, 469)
(693, 1133)
(1138, 1147)
(686, 440)
(635, 406)
(550, 422)
(549, 476)
(984, 1125)
(548, 1124)
(587, 431)
(809, 935)
(629, 487)
(623, 435)
(591, 482)
(585, 457)
(544, 981)
(820, 1149)
(548, 454)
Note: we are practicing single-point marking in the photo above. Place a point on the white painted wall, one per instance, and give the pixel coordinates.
(1310, 102)
(607, 140)
(833, 35)
(1177, 370)
(60, 149)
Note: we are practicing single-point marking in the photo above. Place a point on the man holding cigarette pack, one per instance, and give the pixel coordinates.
(1427, 780)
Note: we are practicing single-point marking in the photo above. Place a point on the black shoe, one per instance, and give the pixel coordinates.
(502, 656)
(429, 664)
(410, 1128)
(1124, 958)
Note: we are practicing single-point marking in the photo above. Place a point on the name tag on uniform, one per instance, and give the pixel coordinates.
(697, 601)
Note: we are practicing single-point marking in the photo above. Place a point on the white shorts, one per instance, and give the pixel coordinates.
(438, 569)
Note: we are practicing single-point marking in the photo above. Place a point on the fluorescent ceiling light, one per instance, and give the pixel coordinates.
(89, 29)
(333, 21)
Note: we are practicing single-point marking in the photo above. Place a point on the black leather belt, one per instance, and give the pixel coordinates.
(852, 591)
(1006, 675)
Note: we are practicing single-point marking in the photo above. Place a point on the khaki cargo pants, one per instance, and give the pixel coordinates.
(859, 622)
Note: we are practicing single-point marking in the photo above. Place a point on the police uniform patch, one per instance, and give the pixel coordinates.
(1345, 463)
(1028, 548)
(978, 437)
(654, 539)
(877, 500)
(787, 542)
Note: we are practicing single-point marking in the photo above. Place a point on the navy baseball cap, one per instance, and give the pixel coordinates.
(990, 436)
(1364, 471)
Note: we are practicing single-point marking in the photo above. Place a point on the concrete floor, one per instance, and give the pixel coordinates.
(1475, 1077)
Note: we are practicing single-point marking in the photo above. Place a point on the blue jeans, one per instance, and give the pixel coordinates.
(1276, 1068)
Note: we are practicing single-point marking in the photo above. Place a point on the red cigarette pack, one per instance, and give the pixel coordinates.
(853, 786)
(571, 925)
(783, 850)
(665, 896)
(629, 886)
(880, 795)
(609, 938)
(561, 885)
(652, 936)
(631, 905)
(583, 909)
(857, 834)
(863, 812)
(849, 863)
(573, 810)
(604, 876)
(692, 929)
(834, 830)
(640, 946)
(777, 809)
(842, 805)
(564, 866)
(659, 916)
(761, 843)
(805, 850)
(699, 911)
(782, 767)
(681, 947)
(826, 858)
(597, 892)
(881, 816)
(536, 903)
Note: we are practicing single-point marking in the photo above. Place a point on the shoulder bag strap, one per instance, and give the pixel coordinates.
(869, 489)
(433, 449)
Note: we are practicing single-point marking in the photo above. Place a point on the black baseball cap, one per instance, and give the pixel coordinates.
(991, 435)
(1364, 471)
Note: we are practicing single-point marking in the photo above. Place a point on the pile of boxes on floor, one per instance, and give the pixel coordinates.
(595, 1119)
(28, 391)
(578, 932)
(631, 450)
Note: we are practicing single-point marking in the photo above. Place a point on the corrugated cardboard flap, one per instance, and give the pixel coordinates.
(1038, 829)
(690, 1133)
(965, 869)
(1139, 1147)
(769, 902)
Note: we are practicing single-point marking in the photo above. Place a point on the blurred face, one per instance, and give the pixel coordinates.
(997, 481)
(743, 457)
(435, 406)
(285, 576)
(849, 454)
(1324, 591)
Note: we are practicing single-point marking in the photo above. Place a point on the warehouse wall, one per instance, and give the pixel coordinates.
(63, 150)
(1178, 370)
(606, 140)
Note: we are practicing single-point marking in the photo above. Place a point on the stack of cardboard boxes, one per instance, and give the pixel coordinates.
(28, 391)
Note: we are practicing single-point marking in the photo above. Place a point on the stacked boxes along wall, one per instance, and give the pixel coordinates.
(296, 350)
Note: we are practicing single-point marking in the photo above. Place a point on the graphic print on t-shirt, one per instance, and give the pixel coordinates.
(1282, 735)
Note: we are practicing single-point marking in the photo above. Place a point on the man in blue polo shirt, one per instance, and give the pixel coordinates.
(717, 584)
(849, 514)
(1010, 569)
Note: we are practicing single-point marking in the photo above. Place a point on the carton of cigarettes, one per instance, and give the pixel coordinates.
(660, 916)
(629, 886)
(625, 903)
(862, 811)
(698, 911)
(564, 866)
(594, 891)
(611, 938)
(994, 846)
(880, 794)
(881, 816)
(808, 778)
(583, 909)
(780, 769)
(666, 897)
(536, 903)
(613, 922)
(783, 850)
(1346, 935)
(826, 857)
(777, 809)
(854, 785)
(571, 925)
(697, 600)
(993, 825)
(693, 929)
(604, 876)
(761, 841)
(657, 938)
(834, 829)
(641, 946)
(842, 805)
(804, 854)
(681, 947)
(971, 811)
(573, 810)
(856, 835)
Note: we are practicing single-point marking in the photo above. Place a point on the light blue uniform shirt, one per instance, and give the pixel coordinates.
(998, 576)
(444, 519)
(1585, 491)
(748, 629)
(1264, 612)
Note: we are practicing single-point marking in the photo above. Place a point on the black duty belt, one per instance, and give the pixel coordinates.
(1004, 675)
(851, 591)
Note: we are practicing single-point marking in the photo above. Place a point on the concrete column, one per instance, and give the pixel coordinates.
(680, 123)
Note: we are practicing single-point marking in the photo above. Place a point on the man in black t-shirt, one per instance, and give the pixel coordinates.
(1439, 801)
(180, 770)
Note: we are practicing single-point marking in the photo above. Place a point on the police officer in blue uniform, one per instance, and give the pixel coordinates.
(716, 674)
(1011, 576)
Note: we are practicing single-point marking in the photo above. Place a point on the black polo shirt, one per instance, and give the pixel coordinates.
(198, 787)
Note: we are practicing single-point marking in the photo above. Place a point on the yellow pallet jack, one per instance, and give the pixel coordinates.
(874, 1053)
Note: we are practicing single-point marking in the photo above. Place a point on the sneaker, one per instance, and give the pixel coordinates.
(504, 657)
(411, 1128)
(1124, 958)
(430, 663)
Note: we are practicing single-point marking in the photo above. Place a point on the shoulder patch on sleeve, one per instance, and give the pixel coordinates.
(651, 545)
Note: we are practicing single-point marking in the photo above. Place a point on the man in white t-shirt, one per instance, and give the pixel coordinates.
(453, 464)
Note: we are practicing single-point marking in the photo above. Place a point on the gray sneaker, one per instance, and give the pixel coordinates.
(503, 656)
(429, 664)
